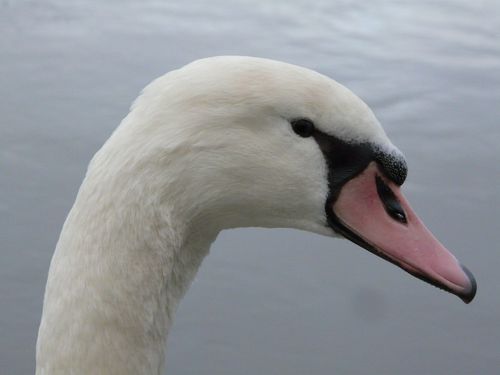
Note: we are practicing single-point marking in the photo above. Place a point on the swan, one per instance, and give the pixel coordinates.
(222, 142)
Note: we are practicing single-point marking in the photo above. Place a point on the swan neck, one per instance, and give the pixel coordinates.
(121, 266)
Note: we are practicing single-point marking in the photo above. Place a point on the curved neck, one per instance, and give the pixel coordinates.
(122, 263)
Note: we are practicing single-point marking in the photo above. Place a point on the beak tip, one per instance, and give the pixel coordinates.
(470, 292)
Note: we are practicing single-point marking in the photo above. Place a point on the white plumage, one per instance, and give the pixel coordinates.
(204, 148)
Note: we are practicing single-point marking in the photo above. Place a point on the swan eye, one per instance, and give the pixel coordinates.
(303, 127)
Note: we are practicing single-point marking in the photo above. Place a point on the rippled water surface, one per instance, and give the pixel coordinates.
(268, 301)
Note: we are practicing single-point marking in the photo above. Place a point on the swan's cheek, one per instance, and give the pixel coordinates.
(293, 179)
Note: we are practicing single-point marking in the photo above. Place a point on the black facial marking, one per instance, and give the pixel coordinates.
(346, 160)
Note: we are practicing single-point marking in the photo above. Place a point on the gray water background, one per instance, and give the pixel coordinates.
(268, 301)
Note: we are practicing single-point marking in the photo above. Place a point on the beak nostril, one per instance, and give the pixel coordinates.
(390, 202)
(399, 216)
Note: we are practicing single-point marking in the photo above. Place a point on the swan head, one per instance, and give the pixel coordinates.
(256, 142)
